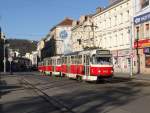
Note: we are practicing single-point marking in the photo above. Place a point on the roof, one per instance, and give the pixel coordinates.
(109, 6)
(65, 22)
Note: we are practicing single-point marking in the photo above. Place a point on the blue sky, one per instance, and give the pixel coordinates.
(32, 19)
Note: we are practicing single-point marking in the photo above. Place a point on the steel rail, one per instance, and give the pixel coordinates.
(56, 103)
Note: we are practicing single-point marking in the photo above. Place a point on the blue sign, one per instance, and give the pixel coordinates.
(63, 34)
(142, 18)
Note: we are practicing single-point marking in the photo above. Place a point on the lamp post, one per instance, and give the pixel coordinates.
(137, 52)
(131, 52)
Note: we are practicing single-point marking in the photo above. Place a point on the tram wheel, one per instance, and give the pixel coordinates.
(79, 78)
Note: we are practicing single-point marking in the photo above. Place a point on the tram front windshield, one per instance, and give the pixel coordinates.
(101, 60)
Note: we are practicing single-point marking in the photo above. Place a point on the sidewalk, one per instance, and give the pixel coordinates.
(134, 76)
(15, 99)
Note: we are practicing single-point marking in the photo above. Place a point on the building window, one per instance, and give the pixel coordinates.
(147, 31)
(128, 16)
(137, 32)
(115, 20)
(109, 22)
(116, 40)
(144, 3)
(110, 40)
(122, 41)
(121, 18)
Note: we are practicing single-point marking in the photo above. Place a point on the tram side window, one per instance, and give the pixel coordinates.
(44, 62)
(63, 60)
(50, 61)
(69, 59)
(53, 61)
(72, 59)
(58, 61)
(84, 59)
(79, 59)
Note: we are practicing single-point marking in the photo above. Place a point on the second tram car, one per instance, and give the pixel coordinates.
(52, 65)
(41, 67)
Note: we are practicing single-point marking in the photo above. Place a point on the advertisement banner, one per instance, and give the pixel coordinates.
(142, 43)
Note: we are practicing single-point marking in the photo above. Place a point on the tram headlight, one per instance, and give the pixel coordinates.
(99, 71)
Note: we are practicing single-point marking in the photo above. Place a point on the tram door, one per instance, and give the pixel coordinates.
(87, 65)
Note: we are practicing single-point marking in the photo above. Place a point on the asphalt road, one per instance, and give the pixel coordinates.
(118, 96)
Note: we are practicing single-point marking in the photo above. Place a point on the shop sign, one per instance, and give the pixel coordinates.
(146, 50)
(142, 18)
(124, 53)
(142, 43)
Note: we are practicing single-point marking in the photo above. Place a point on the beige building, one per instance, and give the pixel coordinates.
(112, 32)
(82, 33)
(108, 28)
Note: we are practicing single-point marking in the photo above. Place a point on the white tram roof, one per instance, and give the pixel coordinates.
(54, 57)
(86, 52)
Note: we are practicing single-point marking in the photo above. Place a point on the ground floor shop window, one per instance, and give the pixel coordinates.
(147, 61)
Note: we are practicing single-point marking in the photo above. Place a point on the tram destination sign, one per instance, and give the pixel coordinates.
(103, 52)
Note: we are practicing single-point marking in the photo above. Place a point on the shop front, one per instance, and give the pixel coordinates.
(122, 60)
(142, 50)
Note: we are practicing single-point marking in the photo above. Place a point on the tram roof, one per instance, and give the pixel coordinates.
(89, 51)
(72, 53)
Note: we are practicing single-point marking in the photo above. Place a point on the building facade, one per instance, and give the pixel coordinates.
(40, 46)
(142, 35)
(57, 40)
(114, 31)
(61, 33)
(82, 34)
(33, 57)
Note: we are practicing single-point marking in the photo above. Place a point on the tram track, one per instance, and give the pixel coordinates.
(52, 101)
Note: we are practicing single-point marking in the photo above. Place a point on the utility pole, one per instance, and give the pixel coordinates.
(5, 45)
(4, 55)
(131, 51)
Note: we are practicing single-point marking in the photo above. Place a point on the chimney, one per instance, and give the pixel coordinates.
(99, 9)
(113, 1)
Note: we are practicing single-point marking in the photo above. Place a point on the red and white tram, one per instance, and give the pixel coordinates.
(41, 67)
(89, 65)
(52, 65)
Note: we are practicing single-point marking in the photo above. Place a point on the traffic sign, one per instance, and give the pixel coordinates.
(10, 59)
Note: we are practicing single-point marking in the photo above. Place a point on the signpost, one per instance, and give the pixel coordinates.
(10, 61)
